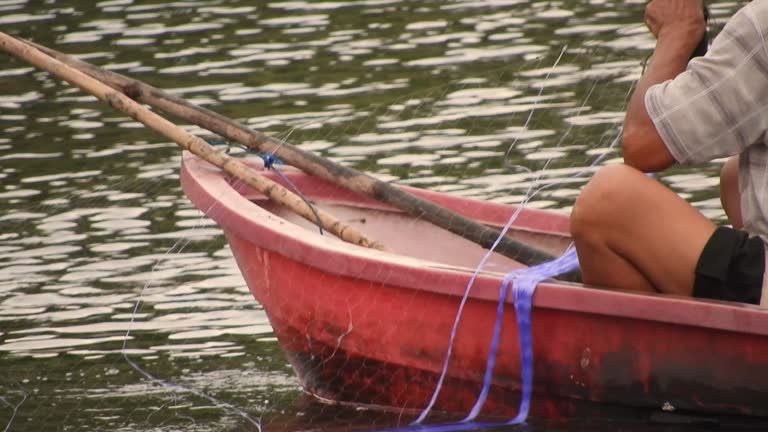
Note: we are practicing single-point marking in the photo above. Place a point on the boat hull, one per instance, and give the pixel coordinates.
(373, 351)
(362, 327)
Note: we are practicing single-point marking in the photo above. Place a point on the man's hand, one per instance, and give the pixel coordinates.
(682, 20)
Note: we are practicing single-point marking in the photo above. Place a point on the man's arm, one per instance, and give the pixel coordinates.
(678, 26)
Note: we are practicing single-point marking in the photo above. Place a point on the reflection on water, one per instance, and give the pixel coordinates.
(101, 254)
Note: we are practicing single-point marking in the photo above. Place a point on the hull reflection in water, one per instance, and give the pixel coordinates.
(368, 327)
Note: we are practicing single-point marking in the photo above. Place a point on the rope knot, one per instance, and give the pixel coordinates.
(270, 160)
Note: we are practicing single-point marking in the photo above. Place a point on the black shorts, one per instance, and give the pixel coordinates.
(731, 267)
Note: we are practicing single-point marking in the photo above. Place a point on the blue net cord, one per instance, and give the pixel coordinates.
(459, 312)
(524, 285)
(269, 163)
(490, 363)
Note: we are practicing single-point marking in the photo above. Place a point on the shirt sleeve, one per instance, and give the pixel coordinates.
(717, 107)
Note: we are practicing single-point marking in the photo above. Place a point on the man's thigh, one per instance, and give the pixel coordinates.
(652, 227)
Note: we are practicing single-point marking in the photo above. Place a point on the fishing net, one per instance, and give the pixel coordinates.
(121, 304)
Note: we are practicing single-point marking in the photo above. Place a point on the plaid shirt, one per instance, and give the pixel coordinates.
(718, 107)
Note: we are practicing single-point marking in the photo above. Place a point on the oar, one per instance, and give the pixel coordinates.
(309, 162)
(184, 139)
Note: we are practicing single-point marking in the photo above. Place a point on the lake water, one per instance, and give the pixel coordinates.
(101, 253)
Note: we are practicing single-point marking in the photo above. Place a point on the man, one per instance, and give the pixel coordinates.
(630, 231)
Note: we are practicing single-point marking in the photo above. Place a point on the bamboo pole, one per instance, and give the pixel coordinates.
(184, 139)
(310, 163)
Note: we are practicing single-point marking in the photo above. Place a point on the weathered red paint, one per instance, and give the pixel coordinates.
(370, 327)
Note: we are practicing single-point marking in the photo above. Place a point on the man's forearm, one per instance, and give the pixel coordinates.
(642, 146)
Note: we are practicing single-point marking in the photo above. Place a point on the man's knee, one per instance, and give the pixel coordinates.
(601, 197)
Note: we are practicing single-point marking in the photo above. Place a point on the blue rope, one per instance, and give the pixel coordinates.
(269, 160)
(488, 376)
(524, 286)
(269, 163)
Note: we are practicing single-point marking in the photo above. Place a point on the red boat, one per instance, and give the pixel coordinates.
(369, 327)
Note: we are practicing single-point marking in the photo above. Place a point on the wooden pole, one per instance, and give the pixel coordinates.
(184, 139)
(309, 162)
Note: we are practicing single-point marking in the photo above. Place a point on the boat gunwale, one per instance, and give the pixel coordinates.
(208, 187)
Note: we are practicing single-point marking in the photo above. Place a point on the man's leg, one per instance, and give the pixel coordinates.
(631, 232)
(729, 192)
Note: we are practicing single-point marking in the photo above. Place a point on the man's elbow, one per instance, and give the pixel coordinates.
(631, 149)
(644, 151)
